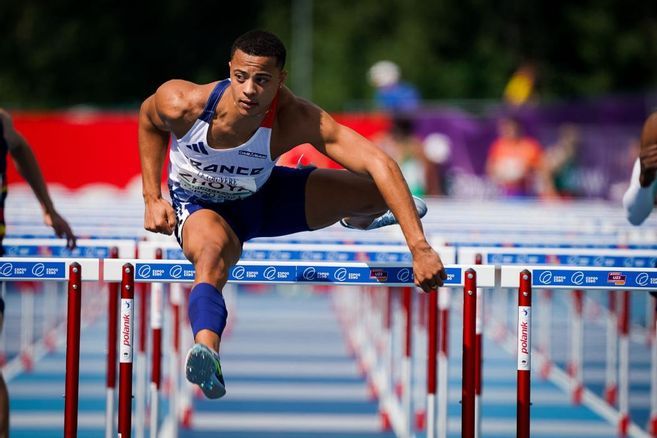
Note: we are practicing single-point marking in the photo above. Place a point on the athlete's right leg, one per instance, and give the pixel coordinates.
(212, 246)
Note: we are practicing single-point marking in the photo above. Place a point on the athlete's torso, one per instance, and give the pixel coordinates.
(217, 175)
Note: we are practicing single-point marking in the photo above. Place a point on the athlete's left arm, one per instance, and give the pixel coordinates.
(28, 167)
(359, 155)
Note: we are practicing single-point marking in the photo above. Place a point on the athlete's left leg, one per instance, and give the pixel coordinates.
(332, 195)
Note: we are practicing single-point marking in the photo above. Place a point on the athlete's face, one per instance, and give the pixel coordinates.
(254, 82)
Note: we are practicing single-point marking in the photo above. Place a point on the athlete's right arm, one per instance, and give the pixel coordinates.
(639, 199)
(155, 117)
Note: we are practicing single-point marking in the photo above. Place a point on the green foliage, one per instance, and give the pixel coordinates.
(116, 53)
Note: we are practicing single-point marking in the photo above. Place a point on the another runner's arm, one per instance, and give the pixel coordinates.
(28, 167)
(639, 198)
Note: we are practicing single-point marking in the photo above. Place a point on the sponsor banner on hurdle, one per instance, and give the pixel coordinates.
(578, 278)
(312, 252)
(371, 273)
(19, 268)
(559, 256)
(88, 248)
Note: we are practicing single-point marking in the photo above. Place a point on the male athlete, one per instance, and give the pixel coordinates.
(226, 189)
(12, 142)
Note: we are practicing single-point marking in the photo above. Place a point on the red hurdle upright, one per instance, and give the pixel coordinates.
(72, 351)
(157, 309)
(524, 354)
(624, 365)
(432, 366)
(125, 356)
(478, 353)
(112, 327)
(469, 340)
(611, 369)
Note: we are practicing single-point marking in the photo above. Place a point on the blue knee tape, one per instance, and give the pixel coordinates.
(207, 309)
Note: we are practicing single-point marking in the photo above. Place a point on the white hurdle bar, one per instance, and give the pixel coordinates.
(526, 278)
(330, 273)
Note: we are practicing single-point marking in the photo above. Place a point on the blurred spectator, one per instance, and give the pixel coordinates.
(560, 164)
(392, 94)
(514, 160)
(521, 86)
(402, 145)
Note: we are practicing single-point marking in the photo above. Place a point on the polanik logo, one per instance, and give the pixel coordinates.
(577, 278)
(642, 279)
(176, 271)
(270, 273)
(545, 277)
(6, 269)
(239, 272)
(38, 270)
(341, 274)
(144, 271)
(309, 273)
(404, 275)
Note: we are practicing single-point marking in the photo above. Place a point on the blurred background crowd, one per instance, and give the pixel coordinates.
(473, 98)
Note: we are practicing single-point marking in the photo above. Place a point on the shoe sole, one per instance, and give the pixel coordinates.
(420, 208)
(199, 369)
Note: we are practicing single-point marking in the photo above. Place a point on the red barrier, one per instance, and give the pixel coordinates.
(624, 365)
(112, 327)
(524, 354)
(125, 358)
(478, 352)
(432, 362)
(469, 335)
(72, 351)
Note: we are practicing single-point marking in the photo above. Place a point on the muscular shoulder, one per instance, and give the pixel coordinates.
(178, 100)
(300, 120)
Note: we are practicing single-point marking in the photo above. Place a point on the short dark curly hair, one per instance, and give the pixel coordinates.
(261, 43)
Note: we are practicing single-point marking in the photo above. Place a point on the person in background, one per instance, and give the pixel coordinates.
(401, 144)
(560, 164)
(639, 199)
(521, 87)
(392, 94)
(514, 160)
(14, 144)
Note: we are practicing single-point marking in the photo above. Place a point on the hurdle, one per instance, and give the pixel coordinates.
(526, 278)
(317, 273)
(616, 323)
(61, 270)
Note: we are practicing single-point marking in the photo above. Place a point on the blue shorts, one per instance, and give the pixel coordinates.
(277, 209)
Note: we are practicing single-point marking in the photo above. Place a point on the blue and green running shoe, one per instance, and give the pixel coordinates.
(202, 367)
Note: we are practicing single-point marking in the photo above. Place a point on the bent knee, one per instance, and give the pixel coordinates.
(212, 262)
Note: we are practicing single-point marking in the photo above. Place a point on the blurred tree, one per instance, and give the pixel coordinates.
(112, 53)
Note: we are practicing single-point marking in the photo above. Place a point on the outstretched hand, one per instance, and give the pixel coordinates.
(428, 269)
(648, 160)
(60, 227)
(159, 216)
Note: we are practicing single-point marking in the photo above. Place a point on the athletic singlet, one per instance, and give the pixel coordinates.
(216, 175)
